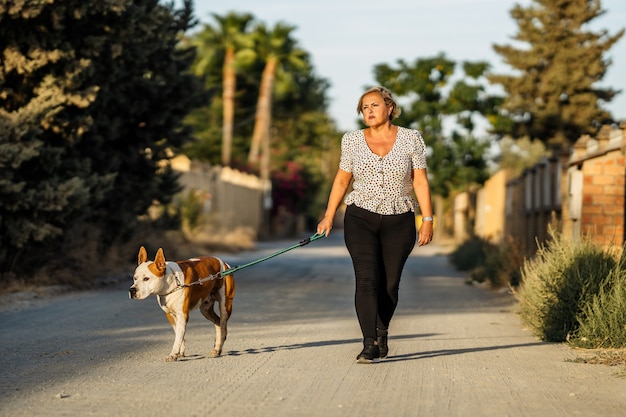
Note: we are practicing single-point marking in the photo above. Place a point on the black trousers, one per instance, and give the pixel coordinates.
(379, 246)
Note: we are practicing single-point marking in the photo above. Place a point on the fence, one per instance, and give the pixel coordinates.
(533, 201)
(581, 191)
(231, 200)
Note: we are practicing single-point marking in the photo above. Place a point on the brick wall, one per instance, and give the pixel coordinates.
(581, 191)
(602, 164)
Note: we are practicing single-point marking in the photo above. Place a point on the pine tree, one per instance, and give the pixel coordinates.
(92, 97)
(554, 95)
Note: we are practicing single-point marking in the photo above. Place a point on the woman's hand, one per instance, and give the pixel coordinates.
(425, 235)
(325, 225)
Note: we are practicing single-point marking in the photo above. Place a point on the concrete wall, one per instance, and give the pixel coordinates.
(232, 199)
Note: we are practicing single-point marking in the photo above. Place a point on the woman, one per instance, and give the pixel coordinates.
(386, 163)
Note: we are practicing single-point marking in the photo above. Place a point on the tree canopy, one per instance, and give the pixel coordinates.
(427, 94)
(553, 95)
(224, 43)
(92, 97)
(280, 125)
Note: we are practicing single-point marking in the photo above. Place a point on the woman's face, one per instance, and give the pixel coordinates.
(375, 111)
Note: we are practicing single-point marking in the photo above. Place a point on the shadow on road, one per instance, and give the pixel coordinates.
(449, 352)
(319, 343)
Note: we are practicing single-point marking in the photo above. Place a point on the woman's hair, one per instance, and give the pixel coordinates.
(387, 97)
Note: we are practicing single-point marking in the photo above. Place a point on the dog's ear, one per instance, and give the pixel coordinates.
(143, 256)
(159, 260)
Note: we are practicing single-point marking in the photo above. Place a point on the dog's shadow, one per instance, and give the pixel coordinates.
(191, 358)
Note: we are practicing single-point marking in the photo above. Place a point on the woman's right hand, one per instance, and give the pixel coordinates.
(324, 226)
(338, 190)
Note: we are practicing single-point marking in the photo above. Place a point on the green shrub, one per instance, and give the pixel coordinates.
(191, 210)
(471, 254)
(602, 322)
(499, 265)
(559, 282)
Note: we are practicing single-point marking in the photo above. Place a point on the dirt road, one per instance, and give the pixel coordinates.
(455, 350)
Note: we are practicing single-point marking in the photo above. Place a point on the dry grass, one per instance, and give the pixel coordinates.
(84, 267)
(611, 357)
(608, 357)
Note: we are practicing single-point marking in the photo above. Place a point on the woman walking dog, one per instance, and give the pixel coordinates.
(386, 162)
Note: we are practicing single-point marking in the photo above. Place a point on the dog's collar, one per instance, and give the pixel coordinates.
(179, 285)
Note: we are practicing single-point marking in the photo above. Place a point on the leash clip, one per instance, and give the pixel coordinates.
(311, 239)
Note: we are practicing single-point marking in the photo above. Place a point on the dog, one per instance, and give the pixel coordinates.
(173, 285)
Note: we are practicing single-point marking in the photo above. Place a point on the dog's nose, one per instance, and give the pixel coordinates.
(132, 292)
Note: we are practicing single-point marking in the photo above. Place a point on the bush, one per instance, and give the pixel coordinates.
(559, 282)
(471, 254)
(191, 210)
(499, 265)
(602, 322)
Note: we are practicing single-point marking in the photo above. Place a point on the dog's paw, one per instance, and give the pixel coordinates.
(215, 353)
(171, 358)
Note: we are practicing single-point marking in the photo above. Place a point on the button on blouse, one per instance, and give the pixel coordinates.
(384, 184)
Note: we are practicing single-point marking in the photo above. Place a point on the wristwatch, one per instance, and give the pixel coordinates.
(427, 219)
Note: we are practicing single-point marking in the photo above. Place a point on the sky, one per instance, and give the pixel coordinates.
(347, 38)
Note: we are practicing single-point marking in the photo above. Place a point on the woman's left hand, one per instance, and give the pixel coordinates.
(425, 235)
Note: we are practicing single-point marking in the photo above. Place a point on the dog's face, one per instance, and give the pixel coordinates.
(149, 277)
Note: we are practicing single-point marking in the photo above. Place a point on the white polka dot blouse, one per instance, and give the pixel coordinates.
(383, 185)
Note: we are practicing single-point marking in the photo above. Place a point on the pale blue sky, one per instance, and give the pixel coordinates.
(347, 38)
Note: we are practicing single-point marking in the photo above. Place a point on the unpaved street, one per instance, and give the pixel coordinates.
(455, 350)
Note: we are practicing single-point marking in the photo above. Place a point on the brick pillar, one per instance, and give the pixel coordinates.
(603, 198)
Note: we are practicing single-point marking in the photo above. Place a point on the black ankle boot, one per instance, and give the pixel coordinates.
(369, 354)
(382, 346)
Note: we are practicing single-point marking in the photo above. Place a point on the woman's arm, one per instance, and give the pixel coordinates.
(422, 192)
(337, 192)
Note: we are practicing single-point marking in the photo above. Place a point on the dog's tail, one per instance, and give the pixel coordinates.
(229, 289)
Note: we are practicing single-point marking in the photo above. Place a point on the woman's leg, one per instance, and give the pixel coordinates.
(361, 237)
(397, 236)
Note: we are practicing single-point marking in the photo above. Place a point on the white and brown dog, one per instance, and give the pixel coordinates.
(173, 285)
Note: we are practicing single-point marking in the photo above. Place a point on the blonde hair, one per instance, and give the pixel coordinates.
(387, 97)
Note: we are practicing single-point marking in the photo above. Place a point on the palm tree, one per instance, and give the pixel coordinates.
(281, 54)
(228, 40)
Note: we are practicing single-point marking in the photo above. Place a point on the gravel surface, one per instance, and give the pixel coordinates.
(455, 350)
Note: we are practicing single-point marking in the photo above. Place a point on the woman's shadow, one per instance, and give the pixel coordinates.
(393, 358)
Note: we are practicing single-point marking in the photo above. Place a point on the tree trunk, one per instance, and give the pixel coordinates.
(228, 101)
(263, 115)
